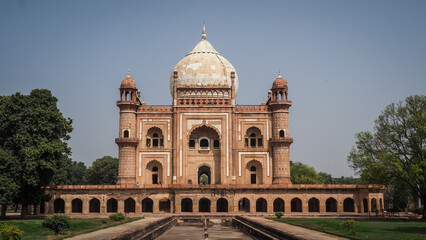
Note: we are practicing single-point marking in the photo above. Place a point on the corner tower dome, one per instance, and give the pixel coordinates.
(203, 66)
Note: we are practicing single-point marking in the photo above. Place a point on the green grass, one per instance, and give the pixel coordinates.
(365, 228)
(33, 230)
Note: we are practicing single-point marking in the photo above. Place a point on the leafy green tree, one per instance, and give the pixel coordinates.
(304, 174)
(395, 151)
(34, 133)
(8, 185)
(327, 178)
(347, 180)
(104, 171)
(71, 173)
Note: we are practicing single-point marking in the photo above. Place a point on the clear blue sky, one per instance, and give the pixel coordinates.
(344, 61)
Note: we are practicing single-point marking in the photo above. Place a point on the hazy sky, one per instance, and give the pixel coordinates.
(344, 61)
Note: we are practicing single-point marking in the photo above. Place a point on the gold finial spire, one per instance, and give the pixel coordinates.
(203, 36)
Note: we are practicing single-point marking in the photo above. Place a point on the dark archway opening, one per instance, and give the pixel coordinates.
(129, 205)
(59, 206)
(313, 204)
(112, 205)
(348, 205)
(331, 205)
(94, 205)
(164, 205)
(244, 205)
(261, 205)
(204, 175)
(204, 205)
(373, 205)
(186, 205)
(222, 205)
(77, 206)
(42, 207)
(296, 205)
(278, 205)
(365, 203)
(147, 205)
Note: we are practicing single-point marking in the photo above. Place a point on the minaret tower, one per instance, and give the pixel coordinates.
(127, 140)
(279, 105)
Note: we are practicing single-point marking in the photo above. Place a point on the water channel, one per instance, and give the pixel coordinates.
(197, 230)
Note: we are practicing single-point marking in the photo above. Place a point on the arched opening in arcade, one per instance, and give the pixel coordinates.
(365, 205)
(186, 205)
(204, 175)
(154, 138)
(373, 205)
(244, 205)
(261, 205)
(279, 205)
(76, 206)
(59, 206)
(222, 205)
(253, 138)
(94, 205)
(296, 205)
(331, 205)
(164, 205)
(348, 205)
(112, 205)
(147, 205)
(313, 205)
(129, 205)
(204, 205)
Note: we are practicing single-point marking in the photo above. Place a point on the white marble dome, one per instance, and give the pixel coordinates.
(204, 66)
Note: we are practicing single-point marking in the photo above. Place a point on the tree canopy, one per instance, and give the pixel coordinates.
(104, 171)
(394, 152)
(33, 140)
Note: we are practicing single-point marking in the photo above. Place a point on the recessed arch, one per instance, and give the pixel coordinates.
(296, 205)
(348, 205)
(164, 205)
(314, 205)
(129, 205)
(186, 205)
(373, 205)
(331, 205)
(112, 205)
(204, 205)
(154, 172)
(261, 205)
(77, 206)
(94, 205)
(279, 205)
(365, 203)
(244, 205)
(147, 205)
(253, 138)
(204, 173)
(154, 137)
(254, 172)
(222, 205)
(59, 205)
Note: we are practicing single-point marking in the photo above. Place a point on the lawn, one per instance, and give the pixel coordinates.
(33, 230)
(366, 228)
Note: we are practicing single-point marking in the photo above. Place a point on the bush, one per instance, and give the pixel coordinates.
(418, 211)
(348, 225)
(10, 232)
(279, 214)
(57, 223)
(117, 217)
(104, 221)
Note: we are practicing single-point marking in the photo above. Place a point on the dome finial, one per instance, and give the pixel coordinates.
(279, 74)
(203, 36)
(128, 72)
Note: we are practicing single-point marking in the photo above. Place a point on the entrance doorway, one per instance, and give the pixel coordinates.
(204, 205)
(204, 175)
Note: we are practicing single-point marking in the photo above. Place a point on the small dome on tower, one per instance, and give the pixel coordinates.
(128, 82)
(279, 82)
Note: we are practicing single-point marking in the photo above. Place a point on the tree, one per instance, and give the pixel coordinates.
(33, 135)
(303, 174)
(8, 187)
(104, 171)
(71, 173)
(395, 151)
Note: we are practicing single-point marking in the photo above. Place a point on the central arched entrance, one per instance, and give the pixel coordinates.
(204, 205)
(204, 175)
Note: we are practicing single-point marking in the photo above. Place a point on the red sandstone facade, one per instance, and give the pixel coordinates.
(205, 153)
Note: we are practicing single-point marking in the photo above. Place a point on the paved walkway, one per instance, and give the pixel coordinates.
(109, 233)
(303, 233)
